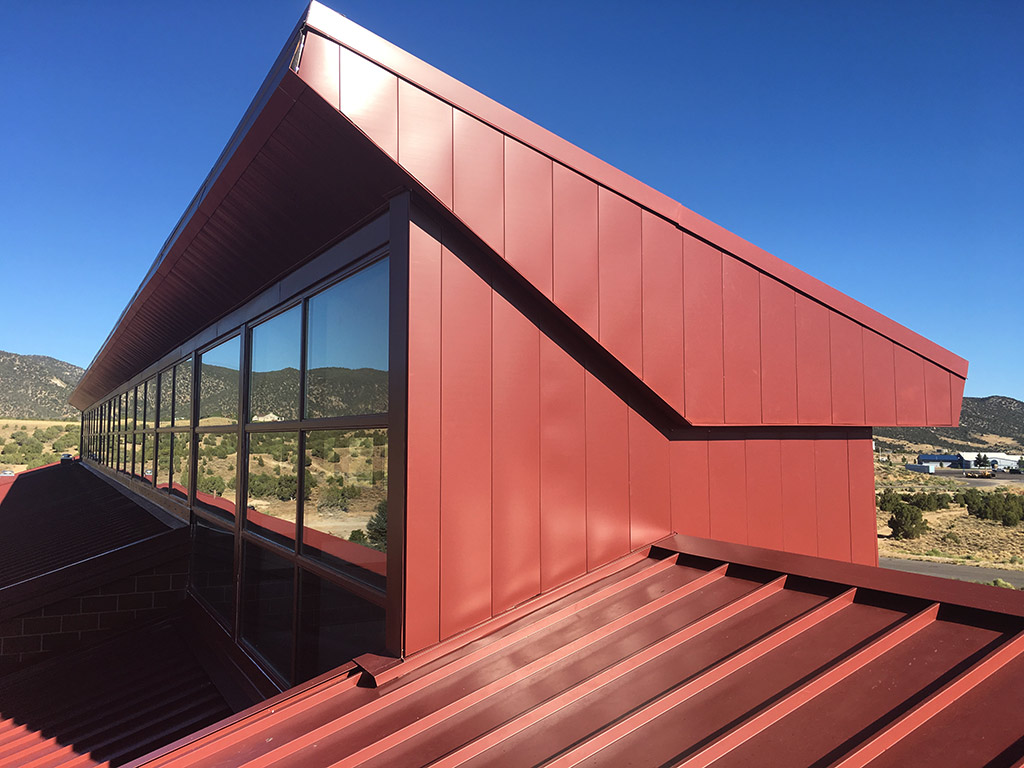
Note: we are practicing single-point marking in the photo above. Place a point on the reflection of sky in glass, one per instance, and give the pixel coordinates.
(275, 343)
(348, 323)
(224, 355)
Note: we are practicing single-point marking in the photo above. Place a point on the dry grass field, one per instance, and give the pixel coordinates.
(952, 535)
(52, 437)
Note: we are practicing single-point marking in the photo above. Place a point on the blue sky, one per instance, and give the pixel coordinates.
(876, 145)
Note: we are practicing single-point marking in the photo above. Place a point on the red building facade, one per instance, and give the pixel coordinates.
(577, 366)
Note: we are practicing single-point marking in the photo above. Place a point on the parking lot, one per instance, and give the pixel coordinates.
(1001, 478)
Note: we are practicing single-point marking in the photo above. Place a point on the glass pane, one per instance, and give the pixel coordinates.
(345, 517)
(147, 458)
(151, 403)
(183, 393)
(215, 483)
(163, 461)
(123, 400)
(273, 484)
(274, 384)
(347, 346)
(166, 389)
(268, 601)
(335, 626)
(180, 464)
(130, 420)
(138, 469)
(218, 384)
(211, 573)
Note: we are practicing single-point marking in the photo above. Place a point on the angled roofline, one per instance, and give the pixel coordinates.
(404, 65)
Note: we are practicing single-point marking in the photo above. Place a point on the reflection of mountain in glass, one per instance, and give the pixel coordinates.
(345, 392)
(218, 396)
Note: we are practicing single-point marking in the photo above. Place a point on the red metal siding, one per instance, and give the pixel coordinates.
(956, 392)
(650, 495)
(620, 279)
(847, 370)
(528, 211)
(742, 342)
(778, 352)
(425, 140)
(863, 529)
(369, 98)
(515, 457)
(764, 493)
(727, 466)
(691, 497)
(575, 247)
(832, 493)
(702, 332)
(423, 467)
(563, 502)
(813, 384)
(479, 173)
(662, 262)
(799, 522)
(879, 379)
(320, 67)
(608, 459)
(465, 447)
(910, 393)
(937, 395)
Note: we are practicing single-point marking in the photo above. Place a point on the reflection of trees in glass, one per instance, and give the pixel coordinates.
(183, 393)
(273, 473)
(350, 498)
(216, 456)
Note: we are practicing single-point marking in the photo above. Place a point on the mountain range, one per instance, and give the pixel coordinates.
(994, 423)
(36, 387)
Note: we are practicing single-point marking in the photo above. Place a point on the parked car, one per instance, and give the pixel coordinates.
(7, 473)
(66, 458)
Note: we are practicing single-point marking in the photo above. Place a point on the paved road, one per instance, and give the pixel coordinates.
(953, 571)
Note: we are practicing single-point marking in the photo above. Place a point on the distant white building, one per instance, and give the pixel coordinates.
(1002, 460)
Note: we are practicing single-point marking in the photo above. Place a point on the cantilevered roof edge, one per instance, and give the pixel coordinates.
(277, 72)
(412, 69)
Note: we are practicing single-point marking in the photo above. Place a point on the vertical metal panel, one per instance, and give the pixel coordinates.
(846, 342)
(662, 257)
(799, 522)
(528, 211)
(607, 472)
(650, 502)
(575, 247)
(465, 446)
(515, 451)
(910, 394)
(479, 193)
(423, 472)
(702, 332)
(369, 98)
(863, 529)
(563, 468)
(691, 502)
(813, 381)
(727, 475)
(778, 352)
(937, 394)
(956, 397)
(620, 279)
(764, 493)
(741, 320)
(425, 140)
(319, 67)
(879, 380)
(832, 492)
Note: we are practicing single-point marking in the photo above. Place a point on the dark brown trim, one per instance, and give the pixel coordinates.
(398, 406)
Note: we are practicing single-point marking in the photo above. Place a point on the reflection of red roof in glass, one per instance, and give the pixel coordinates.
(56, 516)
(701, 653)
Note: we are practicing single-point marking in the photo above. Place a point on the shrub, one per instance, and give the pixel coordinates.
(377, 527)
(213, 484)
(907, 522)
(358, 536)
